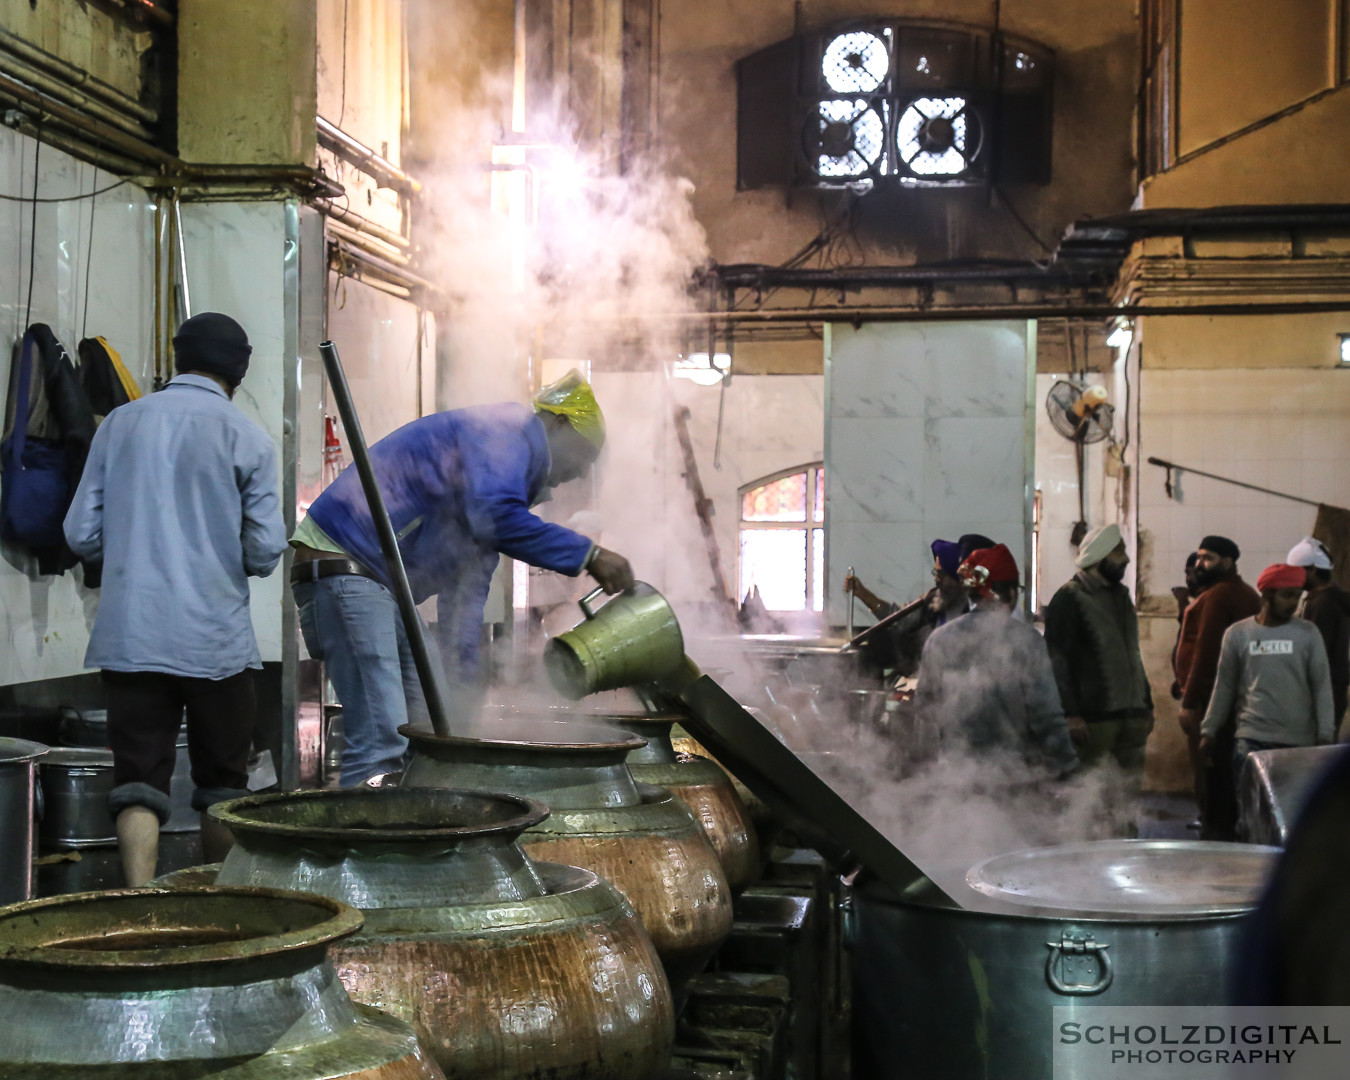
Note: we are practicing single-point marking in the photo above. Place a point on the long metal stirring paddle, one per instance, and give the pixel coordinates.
(393, 559)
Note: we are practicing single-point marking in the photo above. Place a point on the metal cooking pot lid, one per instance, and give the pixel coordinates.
(78, 756)
(1135, 878)
(17, 751)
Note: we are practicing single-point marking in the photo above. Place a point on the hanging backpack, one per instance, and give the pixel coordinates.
(48, 431)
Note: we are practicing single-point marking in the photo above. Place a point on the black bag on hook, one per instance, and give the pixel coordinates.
(48, 428)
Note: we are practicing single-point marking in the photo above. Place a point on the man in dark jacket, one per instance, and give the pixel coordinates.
(1225, 598)
(1327, 607)
(1092, 632)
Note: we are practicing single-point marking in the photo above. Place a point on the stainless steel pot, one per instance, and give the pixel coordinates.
(952, 992)
(75, 783)
(18, 790)
(80, 782)
(1273, 788)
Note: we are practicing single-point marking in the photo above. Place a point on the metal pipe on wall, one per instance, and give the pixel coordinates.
(78, 148)
(76, 77)
(48, 84)
(990, 312)
(142, 153)
(361, 156)
(412, 624)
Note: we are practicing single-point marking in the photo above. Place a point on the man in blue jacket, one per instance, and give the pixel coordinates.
(458, 486)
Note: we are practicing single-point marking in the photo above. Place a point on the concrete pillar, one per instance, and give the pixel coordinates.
(247, 82)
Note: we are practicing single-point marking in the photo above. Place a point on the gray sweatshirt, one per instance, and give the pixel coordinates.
(1276, 682)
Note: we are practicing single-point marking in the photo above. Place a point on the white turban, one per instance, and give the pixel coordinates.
(1097, 545)
(1309, 552)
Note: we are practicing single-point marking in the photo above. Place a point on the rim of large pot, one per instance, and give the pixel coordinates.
(240, 815)
(47, 934)
(581, 736)
(17, 751)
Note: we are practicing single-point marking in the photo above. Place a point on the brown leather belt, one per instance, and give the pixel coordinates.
(314, 569)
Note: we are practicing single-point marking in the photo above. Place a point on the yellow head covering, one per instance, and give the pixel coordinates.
(572, 397)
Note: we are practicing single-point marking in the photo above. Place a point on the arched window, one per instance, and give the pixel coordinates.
(783, 539)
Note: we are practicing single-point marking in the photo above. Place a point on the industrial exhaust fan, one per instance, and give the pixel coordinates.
(899, 102)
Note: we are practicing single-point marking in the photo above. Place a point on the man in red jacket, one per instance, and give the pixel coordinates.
(1225, 599)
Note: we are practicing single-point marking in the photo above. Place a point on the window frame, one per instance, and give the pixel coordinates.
(812, 469)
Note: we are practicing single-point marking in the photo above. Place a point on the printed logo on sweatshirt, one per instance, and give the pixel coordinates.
(1270, 648)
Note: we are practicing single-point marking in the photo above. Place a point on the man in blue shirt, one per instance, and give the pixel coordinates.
(179, 499)
(458, 486)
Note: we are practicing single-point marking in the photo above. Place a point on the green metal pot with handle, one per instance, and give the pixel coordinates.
(633, 639)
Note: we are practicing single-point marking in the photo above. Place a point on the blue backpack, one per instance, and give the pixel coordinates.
(38, 474)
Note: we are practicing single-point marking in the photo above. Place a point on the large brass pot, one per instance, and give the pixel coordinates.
(505, 967)
(703, 785)
(640, 838)
(153, 984)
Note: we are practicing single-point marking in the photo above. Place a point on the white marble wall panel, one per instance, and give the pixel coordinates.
(236, 258)
(927, 436)
(1281, 429)
(376, 336)
(86, 281)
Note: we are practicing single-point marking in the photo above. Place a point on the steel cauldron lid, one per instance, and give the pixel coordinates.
(1136, 879)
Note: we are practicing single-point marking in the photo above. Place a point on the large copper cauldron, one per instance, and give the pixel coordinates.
(641, 838)
(703, 785)
(155, 983)
(505, 967)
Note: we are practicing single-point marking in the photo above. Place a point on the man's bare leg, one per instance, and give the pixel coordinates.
(216, 839)
(138, 843)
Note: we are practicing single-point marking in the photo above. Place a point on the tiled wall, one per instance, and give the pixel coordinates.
(927, 435)
(1284, 430)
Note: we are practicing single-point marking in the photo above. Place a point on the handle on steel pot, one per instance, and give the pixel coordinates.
(1067, 946)
(585, 601)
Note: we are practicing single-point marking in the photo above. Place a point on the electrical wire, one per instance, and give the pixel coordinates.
(342, 108)
(1012, 211)
(32, 235)
(63, 198)
(88, 259)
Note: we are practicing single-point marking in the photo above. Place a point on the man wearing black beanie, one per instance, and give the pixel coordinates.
(215, 345)
(179, 498)
(1224, 599)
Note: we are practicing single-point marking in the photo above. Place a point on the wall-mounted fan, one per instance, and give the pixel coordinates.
(845, 139)
(1080, 413)
(938, 138)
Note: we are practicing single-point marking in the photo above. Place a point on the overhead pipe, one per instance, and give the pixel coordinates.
(986, 312)
(104, 159)
(368, 243)
(53, 85)
(143, 153)
(77, 77)
(384, 528)
(399, 275)
(762, 276)
(357, 153)
(357, 223)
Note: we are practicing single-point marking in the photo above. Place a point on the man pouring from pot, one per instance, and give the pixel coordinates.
(458, 486)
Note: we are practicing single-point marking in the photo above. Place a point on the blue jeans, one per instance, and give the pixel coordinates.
(352, 624)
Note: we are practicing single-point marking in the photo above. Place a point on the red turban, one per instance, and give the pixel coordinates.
(1281, 576)
(988, 566)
